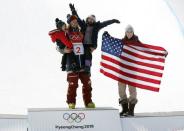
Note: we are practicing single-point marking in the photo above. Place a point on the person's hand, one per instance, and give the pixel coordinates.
(72, 7)
(92, 49)
(116, 21)
(59, 50)
(67, 50)
(166, 54)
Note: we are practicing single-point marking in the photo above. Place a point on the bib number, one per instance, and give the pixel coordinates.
(78, 48)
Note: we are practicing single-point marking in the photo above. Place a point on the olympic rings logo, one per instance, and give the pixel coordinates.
(75, 37)
(74, 117)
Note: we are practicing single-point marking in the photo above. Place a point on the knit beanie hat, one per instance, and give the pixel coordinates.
(92, 17)
(59, 23)
(129, 28)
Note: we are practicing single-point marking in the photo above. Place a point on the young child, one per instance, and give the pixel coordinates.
(63, 42)
(61, 37)
(60, 34)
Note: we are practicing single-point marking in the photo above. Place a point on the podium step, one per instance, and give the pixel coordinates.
(161, 121)
(81, 119)
(99, 119)
(13, 122)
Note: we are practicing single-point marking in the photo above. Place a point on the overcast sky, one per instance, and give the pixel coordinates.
(30, 74)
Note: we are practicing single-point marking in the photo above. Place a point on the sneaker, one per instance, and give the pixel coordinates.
(90, 105)
(71, 106)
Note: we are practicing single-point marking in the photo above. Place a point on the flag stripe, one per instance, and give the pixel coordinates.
(129, 79)
(142, 63)
(130, 48)
(129, 67)
(131, 74)
(142, 55)
(149, 52)
(142, 60)
(134, 68)
(152, 47)
(133, 82)
(149, 49)
(127, 70)
(110, 57)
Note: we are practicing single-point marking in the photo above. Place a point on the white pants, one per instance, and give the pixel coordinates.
(123, 96)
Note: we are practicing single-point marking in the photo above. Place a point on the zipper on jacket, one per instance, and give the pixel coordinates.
(80, 61)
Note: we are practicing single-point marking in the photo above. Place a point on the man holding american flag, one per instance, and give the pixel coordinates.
(132, 64)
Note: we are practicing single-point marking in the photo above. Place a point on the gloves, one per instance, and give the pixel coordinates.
(116, 21)
(57, 20)
(106, 33)
(166, 54)
(63, 51)
(72, 7)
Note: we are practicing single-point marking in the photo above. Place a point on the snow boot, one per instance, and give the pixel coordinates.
(131, 109)
(125, 110)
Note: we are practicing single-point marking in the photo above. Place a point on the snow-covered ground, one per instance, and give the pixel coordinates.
(30, 73)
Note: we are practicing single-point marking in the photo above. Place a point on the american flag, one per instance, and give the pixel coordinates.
(138, 65)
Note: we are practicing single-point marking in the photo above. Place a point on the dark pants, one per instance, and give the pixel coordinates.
(71, 59)
(72, 79)
(74, 59)
(88, 57)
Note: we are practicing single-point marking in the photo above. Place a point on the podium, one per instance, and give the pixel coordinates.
(159, 121)
(82, 119)
(10, 122)
(99, 119)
